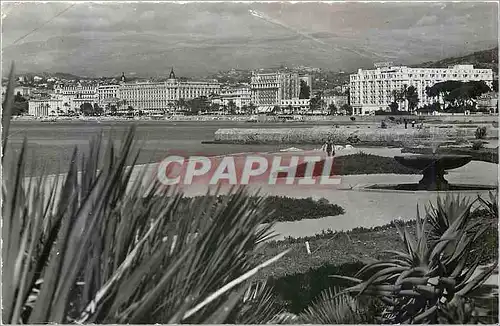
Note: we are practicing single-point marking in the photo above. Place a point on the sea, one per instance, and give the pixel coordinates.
(50, 145)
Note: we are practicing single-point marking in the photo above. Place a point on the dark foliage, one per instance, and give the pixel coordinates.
(297, 291)
(480, 132)
(459, 95)
(282, 208)
(362, 163)
(477, 145)
(305, 90)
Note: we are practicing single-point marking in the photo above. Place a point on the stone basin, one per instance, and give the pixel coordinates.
(433, 168)
(440, 161)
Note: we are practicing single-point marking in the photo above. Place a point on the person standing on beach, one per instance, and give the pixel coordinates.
(329, 148)
(323, 147)
(406, 124)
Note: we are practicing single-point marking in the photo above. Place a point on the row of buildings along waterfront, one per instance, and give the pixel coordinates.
(372, 90)
(265, 91)
(152, 98)
(369, 91)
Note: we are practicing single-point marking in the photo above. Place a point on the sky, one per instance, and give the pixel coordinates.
(197, 39)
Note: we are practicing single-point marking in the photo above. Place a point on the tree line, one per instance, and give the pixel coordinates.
(448, 96)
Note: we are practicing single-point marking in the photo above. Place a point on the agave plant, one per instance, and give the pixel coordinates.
(421, 283)
(100, 246)
(258, 305)
(334, 308)
(461, 311)
(445, 212)
(490, 204)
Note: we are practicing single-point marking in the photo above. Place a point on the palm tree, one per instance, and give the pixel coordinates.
(181, 104)
(66, 106)
(121, 103)
(47, 107)
(411, 97)
(231, 107)
(252, 108)
(171, 106)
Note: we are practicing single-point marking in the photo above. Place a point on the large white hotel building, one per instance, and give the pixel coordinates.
(156, 98)
(372, 90)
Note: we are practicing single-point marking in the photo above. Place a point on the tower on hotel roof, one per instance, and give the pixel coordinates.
(172, 74)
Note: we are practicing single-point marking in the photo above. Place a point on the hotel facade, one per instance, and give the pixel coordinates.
(157, 98)
(372, 90)
(271, 89)
(240, 95)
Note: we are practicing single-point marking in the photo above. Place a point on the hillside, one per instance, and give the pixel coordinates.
(486, 59)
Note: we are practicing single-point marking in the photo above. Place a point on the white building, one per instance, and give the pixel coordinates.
(488, 101)
(86, 92)
(158, 97)
(46, 107)
(268, 89)
(107, 94)
(74, 96)
(372, 90)
(23, 91)
(294, 105)
(239, 95)
(337, 100)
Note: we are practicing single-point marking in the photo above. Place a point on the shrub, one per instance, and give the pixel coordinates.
(299, 290)
(480, 132)
(477, 145)
(279, 208)
(353, 118)
(353, 139)
(383, 125)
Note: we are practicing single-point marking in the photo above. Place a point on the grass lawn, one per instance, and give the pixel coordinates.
(335, 248)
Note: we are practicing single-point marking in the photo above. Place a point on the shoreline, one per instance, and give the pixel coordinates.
(250, 119)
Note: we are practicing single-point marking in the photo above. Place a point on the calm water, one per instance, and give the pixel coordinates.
(51, 145)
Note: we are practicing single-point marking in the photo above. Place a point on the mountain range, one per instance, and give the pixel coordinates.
(203, 38)
(485, 59)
